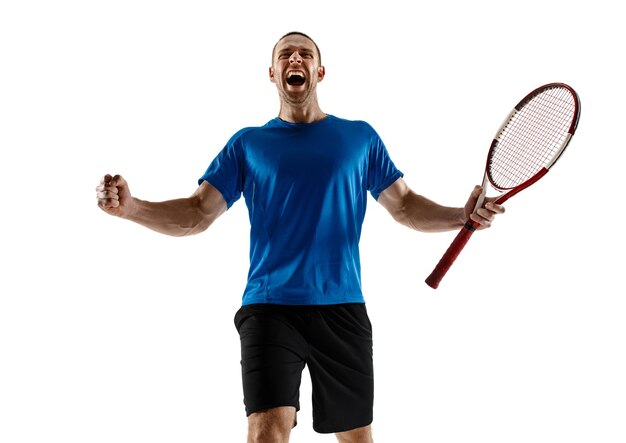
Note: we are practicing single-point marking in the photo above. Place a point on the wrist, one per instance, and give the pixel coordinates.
(461, 217)
(132, 209)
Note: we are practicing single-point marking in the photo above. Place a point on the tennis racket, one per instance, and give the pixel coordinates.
(528, 143)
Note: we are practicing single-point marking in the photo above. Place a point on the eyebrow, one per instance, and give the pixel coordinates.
(277, 51)
(295, 48)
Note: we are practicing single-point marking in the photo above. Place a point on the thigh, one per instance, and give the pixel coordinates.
(272, 358)
(341, 368)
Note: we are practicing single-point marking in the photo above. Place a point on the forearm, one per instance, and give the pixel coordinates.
(419, 213)
(177, 218)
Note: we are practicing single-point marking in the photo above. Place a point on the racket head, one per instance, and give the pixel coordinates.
(533, 137)
(528, 143)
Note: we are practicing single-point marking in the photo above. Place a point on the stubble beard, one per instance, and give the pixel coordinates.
(297, 100)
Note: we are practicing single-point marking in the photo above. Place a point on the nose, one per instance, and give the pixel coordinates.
(295, 58)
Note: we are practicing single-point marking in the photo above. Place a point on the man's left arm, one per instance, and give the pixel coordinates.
(417, 212)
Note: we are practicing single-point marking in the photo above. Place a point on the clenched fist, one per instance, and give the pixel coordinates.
(114, 196)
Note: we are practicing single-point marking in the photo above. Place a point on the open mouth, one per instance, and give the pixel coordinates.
(295, 78)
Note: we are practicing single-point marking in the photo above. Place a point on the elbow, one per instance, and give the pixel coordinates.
(412, 213)
(198, 227)
(199, 223)
(401, 214)
(202, 218)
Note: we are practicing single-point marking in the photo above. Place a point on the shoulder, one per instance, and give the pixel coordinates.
(237, 136)
(347, 122)
(353, 125)
(252, 131)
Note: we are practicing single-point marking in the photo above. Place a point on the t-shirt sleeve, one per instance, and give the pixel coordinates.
(226, 172)
(381, 171)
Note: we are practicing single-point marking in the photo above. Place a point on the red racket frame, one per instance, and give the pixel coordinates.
(468, 229)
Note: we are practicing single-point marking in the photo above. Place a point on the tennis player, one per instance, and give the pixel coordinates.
(305, 176)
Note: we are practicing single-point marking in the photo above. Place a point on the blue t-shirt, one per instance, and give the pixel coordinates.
(305, 186)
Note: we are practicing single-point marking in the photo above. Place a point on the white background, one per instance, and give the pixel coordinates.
(110, 332)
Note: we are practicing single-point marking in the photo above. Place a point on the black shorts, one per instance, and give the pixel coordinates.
(335, 341)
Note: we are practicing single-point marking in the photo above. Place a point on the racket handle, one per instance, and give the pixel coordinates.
(451, 254)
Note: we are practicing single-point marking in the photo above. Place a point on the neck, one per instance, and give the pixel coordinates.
(309, 113)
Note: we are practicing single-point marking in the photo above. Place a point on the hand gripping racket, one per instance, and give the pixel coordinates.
(529, 142)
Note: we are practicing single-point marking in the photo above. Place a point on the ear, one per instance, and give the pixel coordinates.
(321, 72)
(272, 74)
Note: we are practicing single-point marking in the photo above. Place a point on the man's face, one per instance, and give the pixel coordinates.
(295, 68)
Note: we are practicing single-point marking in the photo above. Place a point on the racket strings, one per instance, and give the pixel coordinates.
(532, 138)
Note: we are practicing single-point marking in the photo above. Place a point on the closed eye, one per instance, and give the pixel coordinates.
(283, 55)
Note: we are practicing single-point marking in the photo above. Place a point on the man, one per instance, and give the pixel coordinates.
(305, 177)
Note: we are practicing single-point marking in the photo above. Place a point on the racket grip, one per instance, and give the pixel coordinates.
(451, 254)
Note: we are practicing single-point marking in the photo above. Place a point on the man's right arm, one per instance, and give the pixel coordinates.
(179, 217)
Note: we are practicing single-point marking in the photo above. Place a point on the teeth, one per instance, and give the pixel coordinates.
(292, 73)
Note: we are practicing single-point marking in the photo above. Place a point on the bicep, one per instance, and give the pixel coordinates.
(393, 199)
(209, 201)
